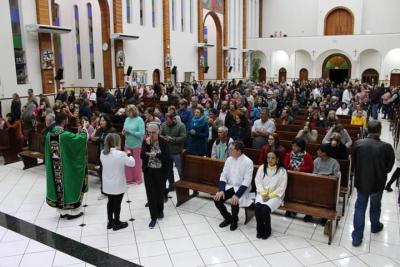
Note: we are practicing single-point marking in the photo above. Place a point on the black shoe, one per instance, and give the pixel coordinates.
(378, 230)
(356, 243)
(259, 235)
(120, 225)
(171, 187)
(307, 218)
(165, 198)
(388, 189)
(110, 225)
(161, 216)
(265, 236)
(152, 224)
(147, 204)
(71, 217)
(62, 216)
(195, 193)
(225, 223)
(323, 222)
(234, 226)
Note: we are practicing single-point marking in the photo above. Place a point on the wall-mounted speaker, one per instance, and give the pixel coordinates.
(206, 69)
(173, 71)
(230, 68)
(129, 71)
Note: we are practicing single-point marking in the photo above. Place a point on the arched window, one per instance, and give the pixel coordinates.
(58, 36)
(153, 13)
(78, 42)
(183, 17)
(173, 13)
(128, 11)
(19, 53)
(91, 47)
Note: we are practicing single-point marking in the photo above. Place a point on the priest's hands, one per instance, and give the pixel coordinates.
(219, 195)
(235, 200)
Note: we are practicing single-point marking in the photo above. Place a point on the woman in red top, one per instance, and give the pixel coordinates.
(273, 145)
(11, 122)
(298, 159)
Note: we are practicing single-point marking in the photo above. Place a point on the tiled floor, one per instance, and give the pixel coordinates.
(188, 235)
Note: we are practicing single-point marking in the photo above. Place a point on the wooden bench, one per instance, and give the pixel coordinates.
(8, 145)
(290, 136)
(35, 150)
(202, 174)
(313, 195)
(354, 133)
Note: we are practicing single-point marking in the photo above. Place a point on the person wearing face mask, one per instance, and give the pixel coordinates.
(198, 134)
(271, 183)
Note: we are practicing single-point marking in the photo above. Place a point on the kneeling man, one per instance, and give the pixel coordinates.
(235, 183)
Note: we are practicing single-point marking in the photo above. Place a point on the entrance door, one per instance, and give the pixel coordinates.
(337, 68)
(262, 75)
(370, 76)
(338, 76)
(303, 75)
(339, 21)
(395, 79)
(282, 75)
(156, 76)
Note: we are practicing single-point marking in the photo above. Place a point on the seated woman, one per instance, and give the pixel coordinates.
(286, 118)
(271, 182)
(331, 119)
(343, 110)
(272, 145)
(308, 134)
(359, 120)
(344, 135)
(316, 119)
(336, 149)
(11, 122)
(241, 130)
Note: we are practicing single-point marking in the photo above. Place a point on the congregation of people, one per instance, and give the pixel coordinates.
(217, 120)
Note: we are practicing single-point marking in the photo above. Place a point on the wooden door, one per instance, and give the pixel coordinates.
(339, 22)
(370, 76)
(395, 79)
(262, 75)
(303, 75)
(282, 75)
(156, 76)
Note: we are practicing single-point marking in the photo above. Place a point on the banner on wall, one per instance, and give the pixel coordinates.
(47, 59)
(120, 59)
(214, 5)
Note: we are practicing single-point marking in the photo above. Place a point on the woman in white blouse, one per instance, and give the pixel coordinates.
(114, 161)
(271, 182)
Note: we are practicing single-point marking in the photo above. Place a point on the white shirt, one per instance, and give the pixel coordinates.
(237, 172)
(346, 98)
(114, 181)
(341, 111)
(164, 98)
(225, 147)
(268, 126)
(273, 181)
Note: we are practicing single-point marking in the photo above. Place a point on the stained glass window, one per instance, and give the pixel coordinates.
(128, 11)
(78, 43)
(58, 36)
(91, 47)
(142, 12)
(153, 13)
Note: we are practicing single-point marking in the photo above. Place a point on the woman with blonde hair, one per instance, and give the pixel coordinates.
(133, 131)
(114, 185)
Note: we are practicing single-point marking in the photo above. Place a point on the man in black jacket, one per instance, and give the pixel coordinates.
(372, 160)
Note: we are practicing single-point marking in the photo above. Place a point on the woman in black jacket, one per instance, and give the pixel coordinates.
(16, 106)
(336, 149)
(155, 159)
(241, 130)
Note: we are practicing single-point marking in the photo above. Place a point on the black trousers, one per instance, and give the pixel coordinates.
(222, 209)
(154, 183)
(114, 207)
(263, 217)
(394, 177)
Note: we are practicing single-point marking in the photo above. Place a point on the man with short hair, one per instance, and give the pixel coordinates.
(66, 168)
(220, 148)
(262, 128)
(235, 183)
(372, 160)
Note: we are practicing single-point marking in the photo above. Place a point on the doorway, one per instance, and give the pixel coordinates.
(337, 68)
(156, 76)
(339, 21)
(282, 75)
(370, 76)
(303, 75)
(395, 78)
(262, 75)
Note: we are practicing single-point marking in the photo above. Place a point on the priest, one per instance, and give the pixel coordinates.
(66, 168)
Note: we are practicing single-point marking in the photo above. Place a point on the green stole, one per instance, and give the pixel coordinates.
(66, 168)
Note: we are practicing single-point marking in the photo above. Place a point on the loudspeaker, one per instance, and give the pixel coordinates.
(206, 69)
(60, 74)
(173, 71)
(129, 71)
(230, 68)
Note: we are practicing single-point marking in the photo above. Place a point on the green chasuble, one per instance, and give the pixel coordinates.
(66, 168)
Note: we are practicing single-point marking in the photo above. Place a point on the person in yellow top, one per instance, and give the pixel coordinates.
(271, 182)
(359, 119)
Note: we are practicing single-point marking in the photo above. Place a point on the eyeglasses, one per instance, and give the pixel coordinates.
(151, 132)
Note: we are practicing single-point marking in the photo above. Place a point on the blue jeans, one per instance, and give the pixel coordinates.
(374, 111)
(359, 213)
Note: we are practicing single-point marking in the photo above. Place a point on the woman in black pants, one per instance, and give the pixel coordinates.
(114, 182)
(396, 174)
(155, 159)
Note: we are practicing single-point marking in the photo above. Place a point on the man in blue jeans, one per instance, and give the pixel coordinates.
(372, 160)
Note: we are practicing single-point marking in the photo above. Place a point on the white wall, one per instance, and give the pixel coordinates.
(370, 59)
(294, 18)
(381, 16)
(8, 79)
(211, 51)
(302, 60)
(390, 63)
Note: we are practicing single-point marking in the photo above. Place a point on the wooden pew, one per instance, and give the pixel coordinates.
(306, 193)
(313, 195)
(199, 178)
(8, 145)
(354, 133)
(35, 151)
(290, 136)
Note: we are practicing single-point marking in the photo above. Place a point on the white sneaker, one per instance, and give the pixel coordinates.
(101, 197)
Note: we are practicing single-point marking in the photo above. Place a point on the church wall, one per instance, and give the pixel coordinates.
(212, 51)
(381, 16)
(371, 59)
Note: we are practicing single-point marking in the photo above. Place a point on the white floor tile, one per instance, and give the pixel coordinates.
(225, 264)
(12, 261)
(42, 259)
(118, 239)
(61, 259)
(215, 255)
(243, 251)
(148, 235)
(293, 242)
(148, 249)
(308, 256)
(179, 245)
(187, 259)
(232, 237)
(253, 262)
(206, 241)
(97, 241)
(172, 232)
(13, 248)
(282, 259)
(377, 260)
(333, 252)
(125, 251)
(350, 262)
(268, 246)
(156, 261)
(199, 229)
(35, 246)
